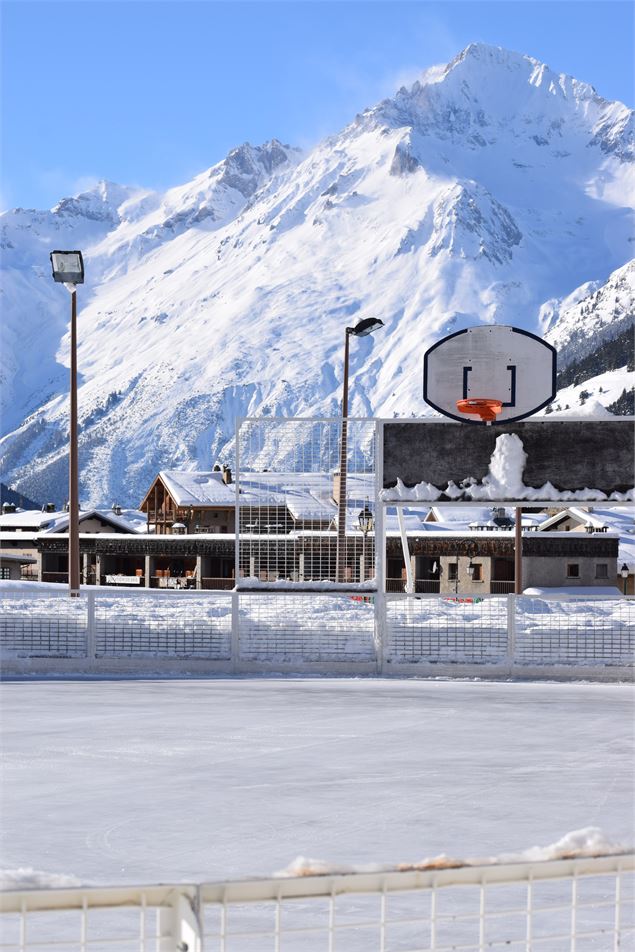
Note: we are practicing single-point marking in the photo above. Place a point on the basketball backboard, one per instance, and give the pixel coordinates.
(491, 361)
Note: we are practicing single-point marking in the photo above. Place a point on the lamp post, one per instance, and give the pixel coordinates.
(624, 574)
(366, 524)
(68, 269)
(362, 329)
(471, 550)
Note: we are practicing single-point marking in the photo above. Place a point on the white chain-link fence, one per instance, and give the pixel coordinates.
(348, 632)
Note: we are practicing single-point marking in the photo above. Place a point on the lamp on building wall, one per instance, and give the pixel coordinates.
(624, 573)
(362, 329)
(68, 269)
(366, 524)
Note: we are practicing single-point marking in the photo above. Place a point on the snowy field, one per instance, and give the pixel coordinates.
(113, 782)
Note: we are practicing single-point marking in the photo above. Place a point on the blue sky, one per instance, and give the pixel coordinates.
(151, 93)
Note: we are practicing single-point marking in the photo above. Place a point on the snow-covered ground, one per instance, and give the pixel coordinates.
(115, 782)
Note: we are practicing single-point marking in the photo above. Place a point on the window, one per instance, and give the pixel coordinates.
(601, 570)
(5, 572)
(452, 571)
(478, 570)
(573, 570)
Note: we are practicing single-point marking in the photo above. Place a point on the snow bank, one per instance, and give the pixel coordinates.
(25, 877)
(575, 591)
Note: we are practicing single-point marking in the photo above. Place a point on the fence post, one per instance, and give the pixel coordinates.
(90, 626)
(380, 549)
(179, 924)
(511, 631)
(235, 635)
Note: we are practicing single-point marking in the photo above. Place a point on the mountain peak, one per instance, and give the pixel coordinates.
(99, 202)
(245, 166)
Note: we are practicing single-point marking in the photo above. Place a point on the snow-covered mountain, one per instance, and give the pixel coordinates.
(488, 191)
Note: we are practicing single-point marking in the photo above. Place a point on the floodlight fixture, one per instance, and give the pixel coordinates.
(368, 326)
(68, 267)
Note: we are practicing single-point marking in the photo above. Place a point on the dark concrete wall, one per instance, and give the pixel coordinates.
(594, 454)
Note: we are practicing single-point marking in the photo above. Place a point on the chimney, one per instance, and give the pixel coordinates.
(336, 487)
(227, 475)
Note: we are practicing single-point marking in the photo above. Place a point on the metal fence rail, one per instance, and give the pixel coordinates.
(566, 904)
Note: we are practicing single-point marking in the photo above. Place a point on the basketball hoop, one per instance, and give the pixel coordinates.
(485, 407)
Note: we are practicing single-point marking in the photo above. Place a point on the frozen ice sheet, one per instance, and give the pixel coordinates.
(121, 781)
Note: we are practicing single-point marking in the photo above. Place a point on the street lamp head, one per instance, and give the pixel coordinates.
(624, 570)
(365, 520)
(68, 267)
(470, 569)
(365, 327)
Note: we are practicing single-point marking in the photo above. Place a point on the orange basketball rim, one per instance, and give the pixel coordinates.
(484, 407)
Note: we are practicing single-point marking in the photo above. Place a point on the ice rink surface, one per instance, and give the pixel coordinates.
(121, 781)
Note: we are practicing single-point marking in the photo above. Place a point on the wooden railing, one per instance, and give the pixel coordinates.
(501, 588)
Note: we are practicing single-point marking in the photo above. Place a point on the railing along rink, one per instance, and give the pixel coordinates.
(575, 904)
(340, 632)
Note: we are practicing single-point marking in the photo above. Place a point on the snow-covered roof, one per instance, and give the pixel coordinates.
(29, 519)
(306, 495)
(192, 488)
(34, 520)
(469, 517)
(616, 519)
(61, 520)
(20, 559)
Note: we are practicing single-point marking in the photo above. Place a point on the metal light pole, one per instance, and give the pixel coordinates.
(362, 329)
(68, 269)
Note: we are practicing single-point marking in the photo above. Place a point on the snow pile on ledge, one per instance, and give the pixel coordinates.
(370, 585)
(587, 842)
(504, 480)
(25, 877)
(590, 841)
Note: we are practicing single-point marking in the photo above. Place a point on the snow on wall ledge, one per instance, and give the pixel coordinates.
(589, 841)
(539, 461)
